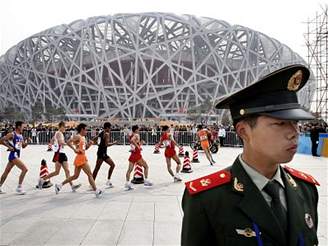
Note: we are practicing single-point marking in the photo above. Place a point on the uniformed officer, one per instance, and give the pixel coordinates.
(256, 201)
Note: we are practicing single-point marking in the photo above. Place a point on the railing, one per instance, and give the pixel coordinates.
(150, 138)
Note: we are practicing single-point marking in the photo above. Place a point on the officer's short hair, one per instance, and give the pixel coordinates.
(251, 120)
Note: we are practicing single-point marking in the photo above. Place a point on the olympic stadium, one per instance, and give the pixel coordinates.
(146, 65)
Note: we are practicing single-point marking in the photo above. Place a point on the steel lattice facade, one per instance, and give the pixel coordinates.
(138, 65)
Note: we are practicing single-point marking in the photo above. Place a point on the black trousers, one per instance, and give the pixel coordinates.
(221, 141)
(314, 147)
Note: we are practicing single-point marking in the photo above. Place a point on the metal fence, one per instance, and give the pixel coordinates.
(150, 138)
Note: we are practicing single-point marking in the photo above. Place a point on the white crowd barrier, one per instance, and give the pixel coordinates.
(150, 138)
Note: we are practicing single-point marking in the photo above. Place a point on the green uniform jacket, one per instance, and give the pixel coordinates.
(212, 217)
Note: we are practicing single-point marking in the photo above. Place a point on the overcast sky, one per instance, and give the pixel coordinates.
(283, 20)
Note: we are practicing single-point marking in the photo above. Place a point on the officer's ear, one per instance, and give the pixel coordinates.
(243, 130)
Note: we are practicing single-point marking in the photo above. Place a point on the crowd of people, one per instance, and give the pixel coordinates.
(307, 127)
(183, 133)
(52, 127)
(32, 129)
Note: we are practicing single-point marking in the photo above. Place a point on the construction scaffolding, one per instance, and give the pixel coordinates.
(317, 45)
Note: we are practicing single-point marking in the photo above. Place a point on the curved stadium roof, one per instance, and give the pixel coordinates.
(138, 65)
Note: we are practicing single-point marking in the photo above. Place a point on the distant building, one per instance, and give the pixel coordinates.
(138, 65)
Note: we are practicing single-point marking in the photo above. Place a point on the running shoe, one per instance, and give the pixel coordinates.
(57, 188)
(20, 191)
(128, 187)
(109, 185)
(148, 183)
(177, 179)
(40, 184)
(75, 187)
(98, 193)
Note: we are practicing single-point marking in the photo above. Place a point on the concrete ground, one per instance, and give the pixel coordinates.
(144, 216)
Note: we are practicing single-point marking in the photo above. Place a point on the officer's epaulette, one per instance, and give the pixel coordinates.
(298, 174)
(208, 182)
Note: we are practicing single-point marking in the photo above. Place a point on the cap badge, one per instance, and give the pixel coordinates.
(222, 175)
(238, 186)
(295, 81)
(247, 232)
(308, 220)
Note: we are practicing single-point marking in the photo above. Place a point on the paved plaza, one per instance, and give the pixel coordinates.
(144, 216)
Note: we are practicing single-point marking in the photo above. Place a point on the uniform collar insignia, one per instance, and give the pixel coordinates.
(295, 81)
(308, 220)
(291, 181)
(238, 186)
(205, 182)
(247, 232)
(192, 187)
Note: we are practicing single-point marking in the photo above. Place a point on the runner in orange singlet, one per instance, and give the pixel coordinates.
(81, 161)
(59, 158)
(203, 136)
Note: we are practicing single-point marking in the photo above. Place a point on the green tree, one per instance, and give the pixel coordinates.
(11, 113)
(52, 113)
(49, 112)
(37, 111)
(196, 113)
(226, 119)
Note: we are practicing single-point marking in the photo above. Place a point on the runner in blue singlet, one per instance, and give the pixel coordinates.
(15, 142)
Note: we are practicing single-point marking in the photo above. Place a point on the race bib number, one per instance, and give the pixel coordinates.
(56, 147)
(203, 138)
(166, 143)
(18, 145)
